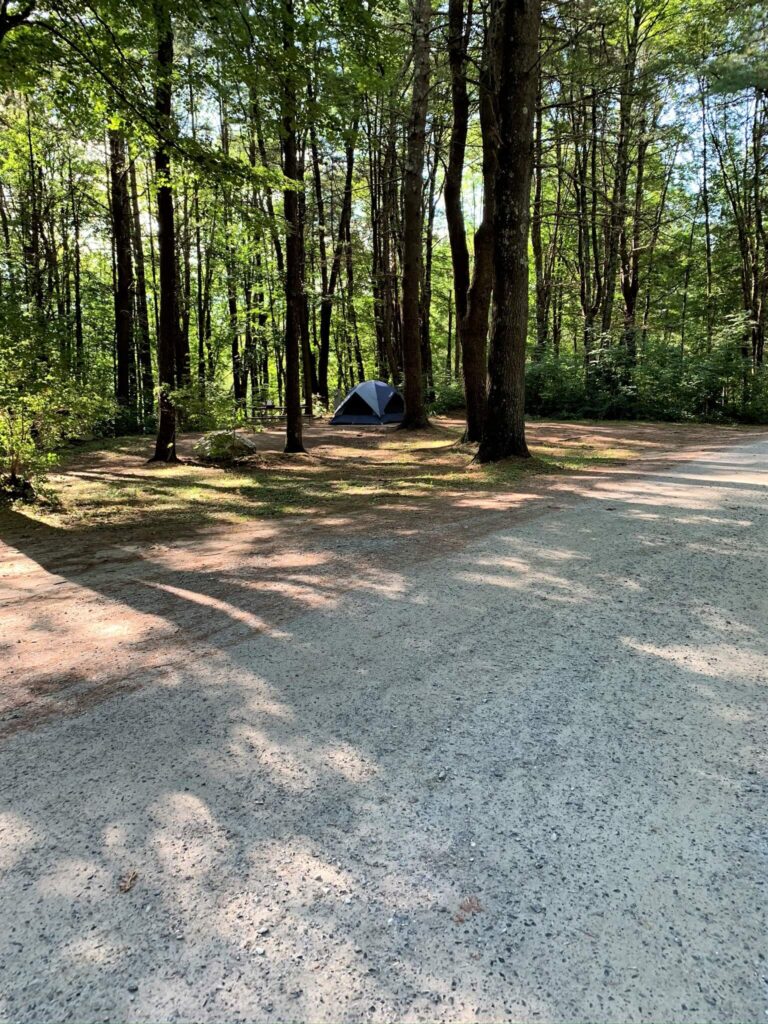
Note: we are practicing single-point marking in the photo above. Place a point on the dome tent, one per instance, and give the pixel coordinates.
(373, 401)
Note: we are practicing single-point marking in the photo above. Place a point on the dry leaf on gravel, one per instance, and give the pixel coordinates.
(469, 905)
(128, 881)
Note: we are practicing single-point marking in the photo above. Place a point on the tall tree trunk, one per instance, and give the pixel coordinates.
(351, 312)
(199, 271)
(429, 242)
(165, 445)
(325, 338)
(293, 282)
(153, 265)
(230, 264)
(143, 347)
(330, 280)
(308, 368)
(374, 138)
(630, 252)
(200, 308)
(183, 374)
(622, 162)
(390, 226)
(459, 27)
(687, 279)
(413, 219)
(76, 279)
(651, 244)
(705, 204)
(515, 27)
(473, 333)
(449, 337)
(35, 276)
(7, 233)
(123, 297)
(537, 243)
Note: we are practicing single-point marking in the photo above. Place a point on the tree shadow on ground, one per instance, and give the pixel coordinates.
(519, 780)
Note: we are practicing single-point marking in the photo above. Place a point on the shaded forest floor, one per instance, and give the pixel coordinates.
(108, 483)
(138, 564)
(464, 753)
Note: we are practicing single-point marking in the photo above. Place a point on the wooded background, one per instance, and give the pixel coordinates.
(247, 200)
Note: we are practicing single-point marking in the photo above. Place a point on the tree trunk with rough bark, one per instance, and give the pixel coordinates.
(293, 283)
(515, 28)
(123, 297)
(168, 325)
(330, 279)
(413, 218)
(474, 329)
(143, 343)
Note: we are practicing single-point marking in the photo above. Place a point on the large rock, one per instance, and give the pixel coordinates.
(225, 446)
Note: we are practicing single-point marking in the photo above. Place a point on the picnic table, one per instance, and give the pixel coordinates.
(268, 410)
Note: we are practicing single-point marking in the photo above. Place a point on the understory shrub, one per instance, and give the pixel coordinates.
(41, 408)
(448, 394)
(715, 383)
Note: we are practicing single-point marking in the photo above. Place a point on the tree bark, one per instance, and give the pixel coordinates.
(123, 296)
(184, 291)
(630, 248)
(618, 212)
(458, 43)
(143, 347)
(330, 280)
(473, 332)
(308, 367)
(293, 283)
(515, 27)
(413, 219)
(429, 244)
(165, 445)
(76, 282)
(230, 264)
(705, 203)
(537, 243)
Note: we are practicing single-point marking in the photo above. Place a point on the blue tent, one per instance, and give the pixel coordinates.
(373, 401)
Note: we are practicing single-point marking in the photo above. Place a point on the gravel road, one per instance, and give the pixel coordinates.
(524, 779)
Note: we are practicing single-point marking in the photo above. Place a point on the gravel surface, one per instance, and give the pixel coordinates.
(524, 779)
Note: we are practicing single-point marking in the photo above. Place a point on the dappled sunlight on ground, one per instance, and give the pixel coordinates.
(346, 469)
(96, 604)
(440, 760)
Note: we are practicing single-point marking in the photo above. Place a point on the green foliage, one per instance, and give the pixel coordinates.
(701, 80)
(449, 394)
(211, 408)
(719, 385)
(41, 405)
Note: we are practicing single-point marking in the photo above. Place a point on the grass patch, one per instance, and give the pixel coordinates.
(109, 484)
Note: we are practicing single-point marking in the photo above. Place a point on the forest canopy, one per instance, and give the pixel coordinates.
(211, 212)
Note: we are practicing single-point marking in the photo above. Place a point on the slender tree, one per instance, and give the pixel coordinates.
(413, 219)
(121, 234)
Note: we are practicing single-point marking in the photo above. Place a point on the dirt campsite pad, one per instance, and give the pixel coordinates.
(320, 739)
(289, 533)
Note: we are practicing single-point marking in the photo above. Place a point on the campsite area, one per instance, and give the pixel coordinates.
(361, 495)
(383, 510)
(366, 745)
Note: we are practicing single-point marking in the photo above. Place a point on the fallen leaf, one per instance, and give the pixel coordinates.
(128, 881)
(469, 905)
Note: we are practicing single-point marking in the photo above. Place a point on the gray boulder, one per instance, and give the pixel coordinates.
(225, 446)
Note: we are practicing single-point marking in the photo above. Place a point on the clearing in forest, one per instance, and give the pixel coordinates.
(87, 580)
(463, 753)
